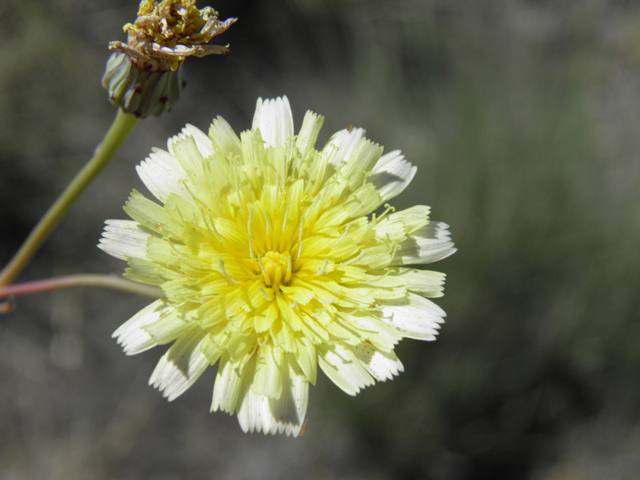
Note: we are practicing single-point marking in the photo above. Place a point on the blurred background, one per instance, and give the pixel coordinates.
(523, 118)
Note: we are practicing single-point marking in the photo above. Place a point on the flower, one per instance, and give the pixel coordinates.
(165, 33)
(144, 76)
(272, 264)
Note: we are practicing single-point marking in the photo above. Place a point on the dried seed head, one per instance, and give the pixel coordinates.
(144, 76)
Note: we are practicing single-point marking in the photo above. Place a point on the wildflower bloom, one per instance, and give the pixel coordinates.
(144, 76)
(272, 264)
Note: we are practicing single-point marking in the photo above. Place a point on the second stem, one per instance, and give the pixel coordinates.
(118, 132)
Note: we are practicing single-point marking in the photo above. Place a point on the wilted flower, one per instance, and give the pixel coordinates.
(144, 75)
(165, 33)
(272, 263)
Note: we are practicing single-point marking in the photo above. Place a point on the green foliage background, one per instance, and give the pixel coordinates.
(523, 118)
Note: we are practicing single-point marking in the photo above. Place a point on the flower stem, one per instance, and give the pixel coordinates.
(74, 281)
(118, 132)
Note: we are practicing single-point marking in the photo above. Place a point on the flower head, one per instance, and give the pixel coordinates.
(273, 263)
(144, 76)
(166, 33)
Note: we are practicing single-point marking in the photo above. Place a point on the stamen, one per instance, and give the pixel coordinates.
(301, 228)
(192, 263)
(238, 189)
(264, 293)
(193, 196)
(211, 227)
(294, 304)
(177, 210)
(194, 220)
(289, 270)
(366, 177)
(264, 271)
(324, 266)
(192, 297)
(211, 184)
(327, 302)
(395, 247)
(387, 272)
(388, 208)
(317, 201)
(353, 260)
(301, 232)
(224, 272)
(284, 222)
(250, 234)
(241, 203)
(346, 232)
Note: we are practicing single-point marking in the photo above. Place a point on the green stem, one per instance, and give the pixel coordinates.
(74, 281)
(119, 131)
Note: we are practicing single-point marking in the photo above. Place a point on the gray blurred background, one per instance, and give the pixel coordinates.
(523, 119)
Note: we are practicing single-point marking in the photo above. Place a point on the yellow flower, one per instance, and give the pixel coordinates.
(272, 263)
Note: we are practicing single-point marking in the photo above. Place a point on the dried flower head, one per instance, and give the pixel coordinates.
(166, 33)
(273, 264)
(144, 76)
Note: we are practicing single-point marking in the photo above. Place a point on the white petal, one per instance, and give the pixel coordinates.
(392, 174)
(376, 331)
(224, 138)
(340, 146)
(163, 175)
(308, 135)
(124, 239)
(343, 368)
(275, 121)
(381, 365)
(204, 143)
(416, 317)
(268, 415)
(426, 245)
(186, 152)
(396, 226)
(294, 403)
(181, 366)
(131, 334)
(227, 386)
(362, 158)
(268, 379)
(423, 282)
(170, 325)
